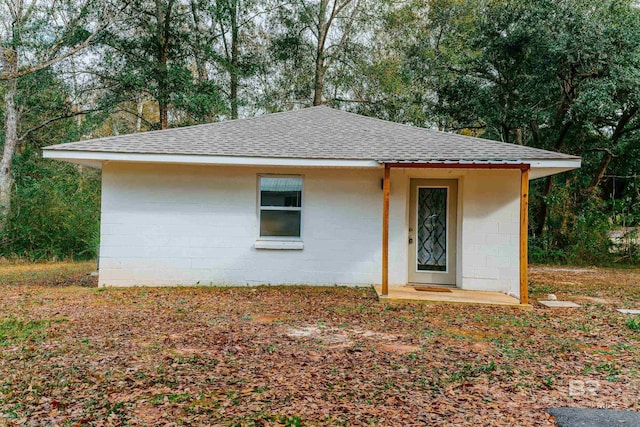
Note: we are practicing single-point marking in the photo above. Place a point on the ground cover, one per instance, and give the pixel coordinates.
(74, 354)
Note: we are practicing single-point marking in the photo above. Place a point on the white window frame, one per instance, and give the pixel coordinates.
(260, 242)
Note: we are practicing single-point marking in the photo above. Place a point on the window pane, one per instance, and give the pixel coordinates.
(281, 192)
(280, 223)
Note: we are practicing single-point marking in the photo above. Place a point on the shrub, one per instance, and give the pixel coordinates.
(55, 211)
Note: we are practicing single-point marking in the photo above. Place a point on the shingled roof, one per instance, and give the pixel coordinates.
(314, 133)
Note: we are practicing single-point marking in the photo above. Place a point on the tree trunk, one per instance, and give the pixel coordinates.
(164, 115)
(234, 59)
(604, 164)
(506, 133)
(140, 110)
(200, 63)
(323, 29)
(543, 212)
(10, 66)
(535, 132)
(619, 130)
(163, 17)
(319, 79)
(544, 204)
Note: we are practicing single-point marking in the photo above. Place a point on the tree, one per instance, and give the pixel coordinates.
(380, 79)
(55, 207)
(560, 75)
(150, 56)
(309, 38)
(228, 14)
(223, 45)
(36, 35)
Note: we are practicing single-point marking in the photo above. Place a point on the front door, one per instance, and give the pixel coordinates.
(432, 231)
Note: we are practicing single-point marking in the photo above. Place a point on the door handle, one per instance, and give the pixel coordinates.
(410, 240)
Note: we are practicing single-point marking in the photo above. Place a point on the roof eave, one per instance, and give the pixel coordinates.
(539, 167)
(97, 158)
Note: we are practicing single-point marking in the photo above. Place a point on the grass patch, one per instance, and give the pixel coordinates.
(469, 371)
(633, 323)
(18, 331)
(48, 273)
(170, 398)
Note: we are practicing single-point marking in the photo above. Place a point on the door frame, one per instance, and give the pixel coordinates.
(448, 277)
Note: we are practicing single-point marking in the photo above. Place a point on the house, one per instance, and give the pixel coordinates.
(314, 196)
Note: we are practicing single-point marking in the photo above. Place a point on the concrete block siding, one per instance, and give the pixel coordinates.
(169, 225)
(185, 225)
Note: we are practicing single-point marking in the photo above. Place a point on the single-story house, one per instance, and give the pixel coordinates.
(314, 196)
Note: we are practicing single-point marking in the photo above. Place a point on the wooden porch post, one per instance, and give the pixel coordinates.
(524, 236)
(386, 186)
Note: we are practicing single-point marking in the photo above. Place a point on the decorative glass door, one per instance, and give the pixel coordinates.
(432, 231)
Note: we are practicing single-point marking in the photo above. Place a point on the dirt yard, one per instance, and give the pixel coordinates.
(73, 354)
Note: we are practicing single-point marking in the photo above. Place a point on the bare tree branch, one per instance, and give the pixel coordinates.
(55, 119)
(56, 59)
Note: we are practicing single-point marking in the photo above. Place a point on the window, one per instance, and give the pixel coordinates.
(280, 206)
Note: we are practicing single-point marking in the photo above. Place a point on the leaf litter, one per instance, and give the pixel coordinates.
(268, 356)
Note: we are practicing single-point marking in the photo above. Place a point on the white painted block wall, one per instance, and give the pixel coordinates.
(168, 225)
(490, 237)
(185, 224)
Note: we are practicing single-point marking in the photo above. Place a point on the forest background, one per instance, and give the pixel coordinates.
(562, 75)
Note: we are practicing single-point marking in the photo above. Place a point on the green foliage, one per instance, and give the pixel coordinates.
(586, 243)
(291, 421)
(13, 330)
(55, 211)
(580, 237)
(562, 75)
(55, 206)
(558, 75)
(471, 371)
(634, 323)
(149, 57)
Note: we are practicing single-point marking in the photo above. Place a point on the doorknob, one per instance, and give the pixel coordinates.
(410, 240)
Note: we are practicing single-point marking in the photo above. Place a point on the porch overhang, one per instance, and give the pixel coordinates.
(538, 168)
(525, 170)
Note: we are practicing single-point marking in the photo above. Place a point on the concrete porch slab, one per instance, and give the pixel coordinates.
(456, 296)
(628, 311)
(559, 304)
